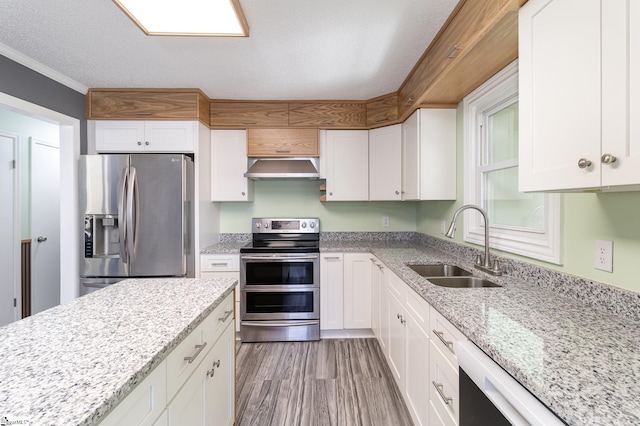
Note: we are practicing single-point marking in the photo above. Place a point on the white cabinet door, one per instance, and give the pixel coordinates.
(437, 154)
(347, 165)
(429, 155)
(385, 163)
(357, 290)
(559, 94)
(119, 136)
(411, 157)
(145, 136)
(228, 165)
(331, 291)
(396, 343)
(416, 391)
(621, 92)
(207, 397)
(170, 136)
(377, 280)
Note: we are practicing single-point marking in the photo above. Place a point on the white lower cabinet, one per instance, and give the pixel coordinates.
(195, 385)
(345, 291)
(331, 291)
(207, 396)
(407, 344)
(223, 266)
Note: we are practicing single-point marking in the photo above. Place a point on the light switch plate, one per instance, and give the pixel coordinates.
(385, 221)
(603, 255)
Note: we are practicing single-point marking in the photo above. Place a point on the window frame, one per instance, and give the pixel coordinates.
(543, 245)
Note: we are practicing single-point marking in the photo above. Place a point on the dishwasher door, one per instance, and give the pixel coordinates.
(489, 395)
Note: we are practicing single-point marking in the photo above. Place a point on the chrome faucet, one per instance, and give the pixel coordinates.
(485, 264)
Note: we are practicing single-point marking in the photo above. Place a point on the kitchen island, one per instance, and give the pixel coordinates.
(70, 365)
(572, 343)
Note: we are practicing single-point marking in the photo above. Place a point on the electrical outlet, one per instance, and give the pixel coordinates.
(443, 227)
(603, 256)
(385, 221)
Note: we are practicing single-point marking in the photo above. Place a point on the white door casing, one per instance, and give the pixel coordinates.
(10, 229)
(45, 225)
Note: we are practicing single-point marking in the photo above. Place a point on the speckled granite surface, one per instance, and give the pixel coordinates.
(573, 343)
(71, 364)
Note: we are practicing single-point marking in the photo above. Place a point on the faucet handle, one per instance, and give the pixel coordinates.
(496, 267)
(479, 260)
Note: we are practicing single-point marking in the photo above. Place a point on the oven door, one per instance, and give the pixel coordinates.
(268, 270)
(293, 303)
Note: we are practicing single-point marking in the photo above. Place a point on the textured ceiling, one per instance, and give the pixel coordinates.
(297, 49)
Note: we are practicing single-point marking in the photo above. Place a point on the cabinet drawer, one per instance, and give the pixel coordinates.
(219, 262)
(196, 346)
(443, 378)
(444, 334)
(144, 404)
(396, 286)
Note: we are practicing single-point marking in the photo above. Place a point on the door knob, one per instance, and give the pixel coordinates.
(41, 239)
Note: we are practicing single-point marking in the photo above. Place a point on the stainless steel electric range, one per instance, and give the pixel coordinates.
(280, 281)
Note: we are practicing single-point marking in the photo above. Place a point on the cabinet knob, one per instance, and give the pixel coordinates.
(583, 163)
(608, 159)
(139, 143)
(243, 193)
(146, 143)
(331, 193)
(397, 192)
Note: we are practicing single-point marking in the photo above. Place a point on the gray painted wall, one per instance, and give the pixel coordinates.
(24, 83)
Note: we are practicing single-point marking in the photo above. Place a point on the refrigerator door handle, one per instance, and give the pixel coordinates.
(132, 213)
(122, 207)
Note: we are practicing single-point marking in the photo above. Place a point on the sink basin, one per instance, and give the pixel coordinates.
(439, 270)
(462, 282)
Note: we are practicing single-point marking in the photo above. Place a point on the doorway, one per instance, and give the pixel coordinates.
(68, 134)
(9, 258)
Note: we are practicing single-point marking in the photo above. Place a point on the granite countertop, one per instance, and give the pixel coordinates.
(580, 360)
(71, 364)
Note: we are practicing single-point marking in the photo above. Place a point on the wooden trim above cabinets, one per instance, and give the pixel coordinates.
(285, 142)
(147, 104)
(382, 110)
(246, 114)
(328, 114)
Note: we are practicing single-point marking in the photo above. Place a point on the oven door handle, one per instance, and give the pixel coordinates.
(278, 257)
(278, 324)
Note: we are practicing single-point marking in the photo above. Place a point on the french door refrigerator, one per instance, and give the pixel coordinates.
(137, 212)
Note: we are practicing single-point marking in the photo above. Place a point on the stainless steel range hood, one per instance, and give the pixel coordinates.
(282, 168)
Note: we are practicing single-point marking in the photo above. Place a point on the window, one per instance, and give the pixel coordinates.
(523, 223)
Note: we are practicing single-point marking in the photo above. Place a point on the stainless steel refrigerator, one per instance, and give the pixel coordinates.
(138, 221)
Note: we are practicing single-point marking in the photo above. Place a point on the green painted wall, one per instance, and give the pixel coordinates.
(27, 127)
(586, 217)
(299, 198)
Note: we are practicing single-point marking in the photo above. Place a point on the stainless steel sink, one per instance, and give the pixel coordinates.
(439, 270)
(462, 282)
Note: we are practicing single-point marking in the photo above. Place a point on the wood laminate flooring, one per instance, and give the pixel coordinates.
(333, 382)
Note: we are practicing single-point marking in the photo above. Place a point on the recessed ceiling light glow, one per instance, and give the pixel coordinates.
(187, 17)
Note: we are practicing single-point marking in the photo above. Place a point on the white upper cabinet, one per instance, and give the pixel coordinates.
(228, 164)
(145, 136)
(385, 163)
(346, 160)
(429, 155)
(579, 65)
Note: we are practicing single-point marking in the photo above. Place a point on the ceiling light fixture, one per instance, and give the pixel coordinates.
(214, 18)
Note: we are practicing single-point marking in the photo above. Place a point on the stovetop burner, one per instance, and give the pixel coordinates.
(290, 235)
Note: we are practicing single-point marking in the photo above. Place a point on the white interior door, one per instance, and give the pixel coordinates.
(9, 241)
(45, 225)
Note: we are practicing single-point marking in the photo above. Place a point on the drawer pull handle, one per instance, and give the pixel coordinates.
(216, 364)
(142, 113)
(226, 315)
(220, 264)
(283, 151)
(439, 387)
(249, 122)
(447, 343)
(451, 53)
(332, 258)
(199, 349)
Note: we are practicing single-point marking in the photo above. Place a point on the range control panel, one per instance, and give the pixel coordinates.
(285, 225)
